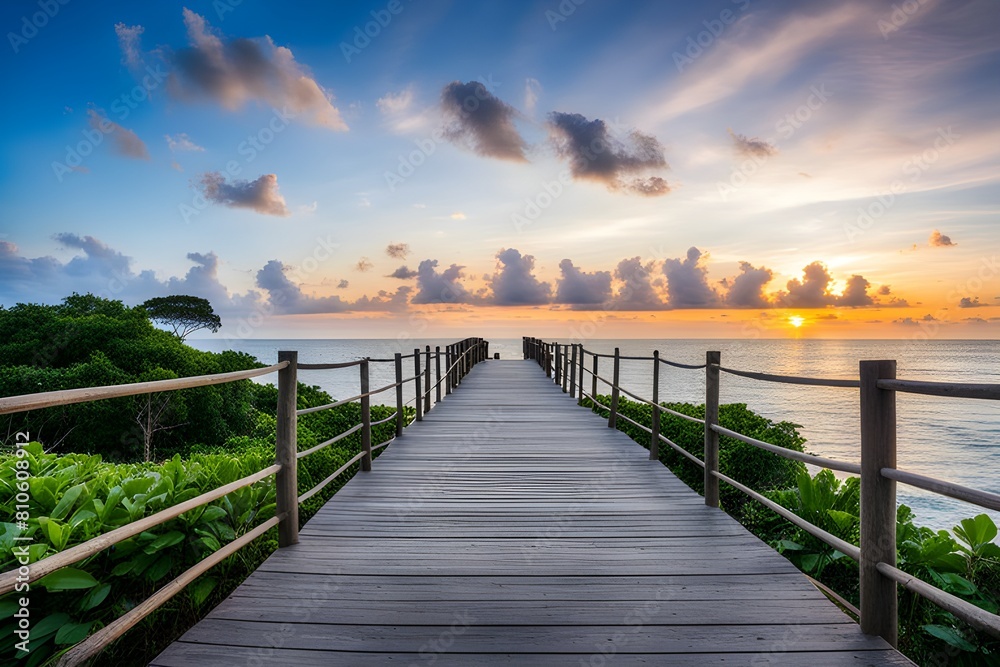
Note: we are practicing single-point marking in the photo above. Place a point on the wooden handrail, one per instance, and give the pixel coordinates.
(49, 399)
(878, 384)
(285, 468)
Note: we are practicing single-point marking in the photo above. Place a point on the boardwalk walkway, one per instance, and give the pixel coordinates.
(513, 527)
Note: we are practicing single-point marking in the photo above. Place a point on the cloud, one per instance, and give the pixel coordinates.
(687, 282)
(577, 287)
(403, 273)
(287, 298)
(637, 291)
(457, 215)
(105, 271)
(975, 320)
(128, 42)
(394, 104)
(482, 121)
(594, 154)
(939, 240)
(260, 195)
(181, 142)
(343, 284)
(909, 321)
(747, 289)
(434, 287)
(398, 250)
(967, 302)
(364, 265)
(746, 147)
(532, 90)
(513, 282)
(856, 293)
(238, 71)
(813, 291)
(126, 142)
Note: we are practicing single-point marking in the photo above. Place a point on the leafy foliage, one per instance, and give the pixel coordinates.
(90, 341)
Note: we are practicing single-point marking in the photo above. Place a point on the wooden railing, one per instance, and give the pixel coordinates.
(460, 358)
(878, 386)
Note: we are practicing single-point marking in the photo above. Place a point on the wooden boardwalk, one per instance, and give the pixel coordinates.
(513, 527)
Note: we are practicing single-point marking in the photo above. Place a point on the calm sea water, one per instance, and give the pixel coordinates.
(952, 439)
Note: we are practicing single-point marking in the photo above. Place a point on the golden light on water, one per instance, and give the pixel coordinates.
(796, 321)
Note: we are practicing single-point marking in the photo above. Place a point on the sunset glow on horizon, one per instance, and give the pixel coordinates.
(649, 170)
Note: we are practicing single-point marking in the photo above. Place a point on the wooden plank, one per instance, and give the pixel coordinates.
(511, 526)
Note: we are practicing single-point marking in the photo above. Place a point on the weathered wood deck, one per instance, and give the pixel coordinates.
(513, 527)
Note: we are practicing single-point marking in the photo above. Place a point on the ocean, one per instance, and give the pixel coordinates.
(952, 439)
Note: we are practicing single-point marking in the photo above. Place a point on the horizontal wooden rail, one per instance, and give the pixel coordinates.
(947, 389)
(822, 462)
(93, 644)
(831, 540)
(331, 366)
(793, 379)
(680, 450)
(50, 399)
(328, 406)
(975, 616)
(327, 443)
(319, 487)
(94, 545)
(950, 489)
(383, 421)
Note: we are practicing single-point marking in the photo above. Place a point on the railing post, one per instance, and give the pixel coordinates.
(593, 380)
(557, 366)
(437, 373)
(286, 448)
(654, 439)
(447, 370)
(712, 361)
(613, 417)
(572, 374)
(400, 420)
(548, 359)
(427, 382)
(878, 501)
(565, 369)
(366, 419)
(418, 402)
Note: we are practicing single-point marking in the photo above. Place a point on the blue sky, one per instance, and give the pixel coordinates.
(737, 144)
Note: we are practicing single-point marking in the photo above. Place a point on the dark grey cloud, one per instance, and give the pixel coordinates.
(687, 282)
(261, 195)
(398, 250)
(514, 283)
(364, 265)
(595, 154)
(482, 121)
(443, 287)
(238, 71)
(637, 291)
(755, 147)
(970, 302)
(343, 284)
(403, 273)
(579, 288)
(747, 289)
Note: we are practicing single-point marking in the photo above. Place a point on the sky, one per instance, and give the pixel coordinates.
(569, 168)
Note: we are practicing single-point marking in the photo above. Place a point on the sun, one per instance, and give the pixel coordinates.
(796, 321)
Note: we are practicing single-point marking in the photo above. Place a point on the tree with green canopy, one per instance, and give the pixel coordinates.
(184, 314)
